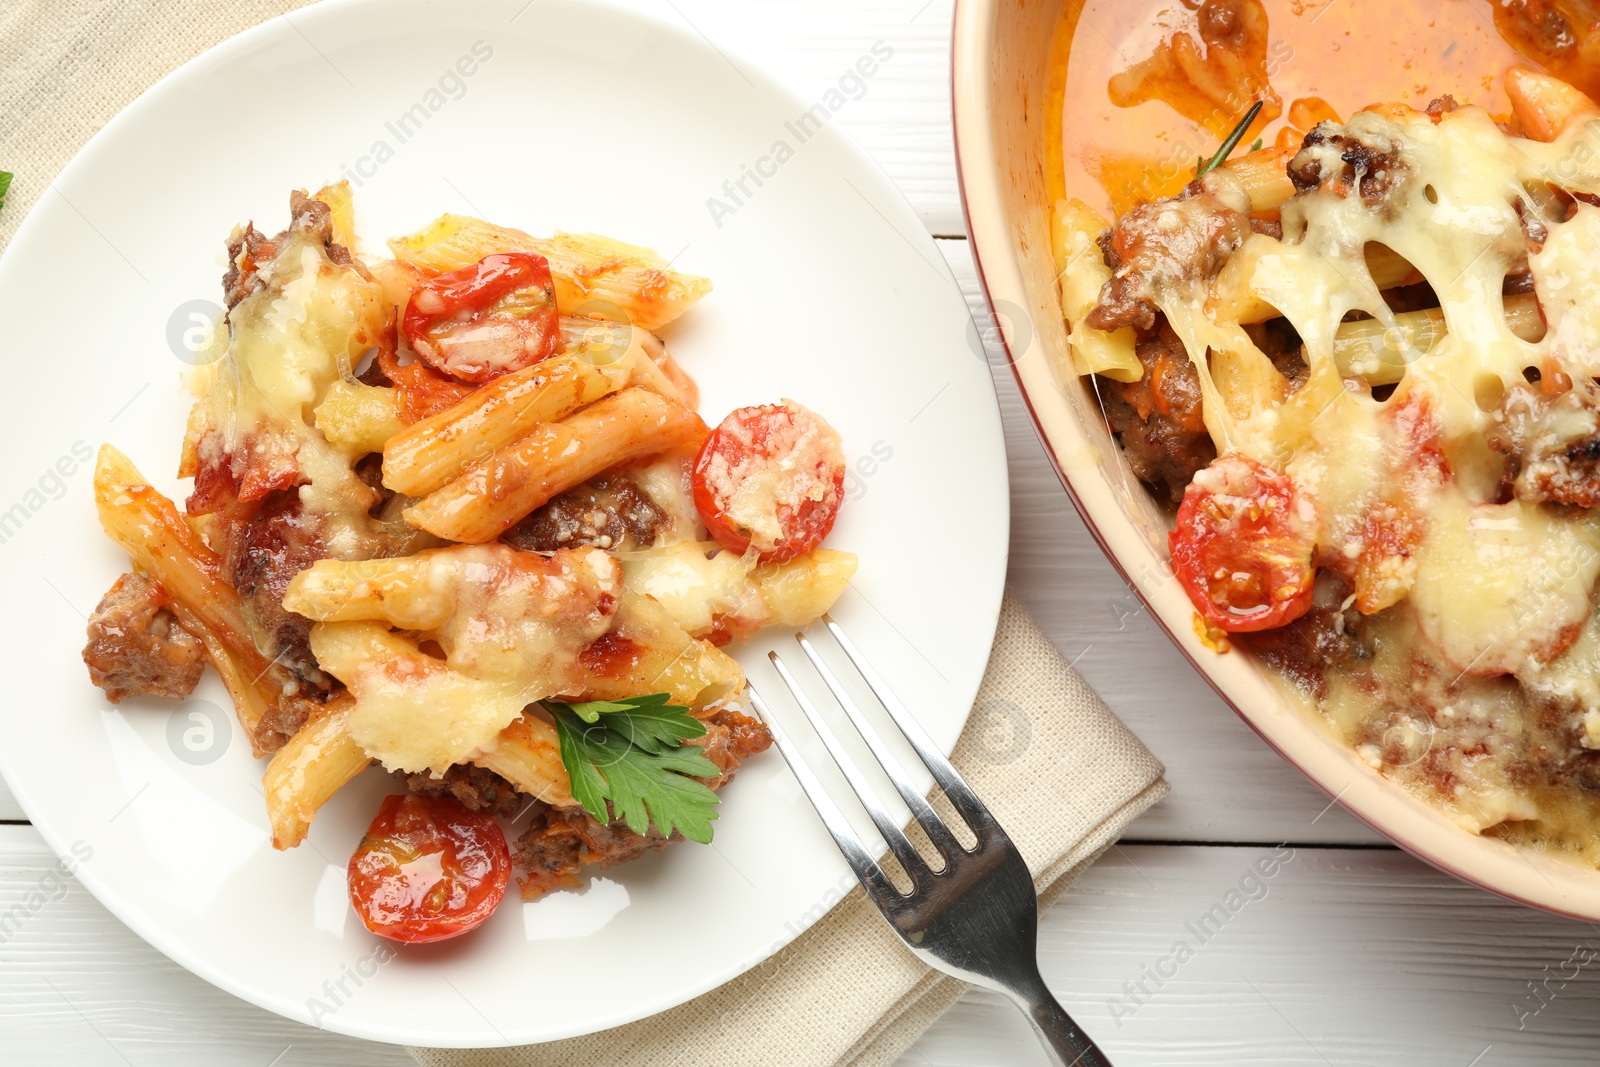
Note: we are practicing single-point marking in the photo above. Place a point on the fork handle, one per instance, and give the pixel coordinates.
(1066, 1043)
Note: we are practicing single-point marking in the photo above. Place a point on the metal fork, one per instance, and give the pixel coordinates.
(976, 918)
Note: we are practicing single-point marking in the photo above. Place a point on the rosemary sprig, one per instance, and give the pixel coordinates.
(1231, 143)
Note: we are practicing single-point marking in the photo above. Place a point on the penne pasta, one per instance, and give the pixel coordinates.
(239, 674)
(431, 453)
(398, 281)
(1545, 106)
(358, 418)
(711, 591)
(1366, 349)
(161, 545)
(495, 493)
(355, 624)
(797, 592)
(164, 547)
(306, 772)
(648, 652)
(1264, 176)
(683, 390)
(528, 756)
(396, 591)
(1080, 275)
(594, 276)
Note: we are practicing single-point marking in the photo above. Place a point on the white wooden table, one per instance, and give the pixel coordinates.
(1351, 953)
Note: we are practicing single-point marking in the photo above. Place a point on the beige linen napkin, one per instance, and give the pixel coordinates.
(1060, 773)
(68, 66)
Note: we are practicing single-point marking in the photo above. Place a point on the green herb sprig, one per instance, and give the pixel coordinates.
(633, 753)
(5, 185)
(1232, 142)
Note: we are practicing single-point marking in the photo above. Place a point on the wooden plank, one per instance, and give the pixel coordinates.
(1349, 956)
(1343, 957)
(1227, 785)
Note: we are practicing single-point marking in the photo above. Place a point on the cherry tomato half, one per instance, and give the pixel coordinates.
(772, 477)
(428, 869)
(489, 319)
(1244, 545)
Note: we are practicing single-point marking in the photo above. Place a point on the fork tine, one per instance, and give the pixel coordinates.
(961, 796)
(899, 844)
(844, 835)
(926, 817)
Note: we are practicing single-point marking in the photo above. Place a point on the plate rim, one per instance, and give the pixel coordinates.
(154, 934)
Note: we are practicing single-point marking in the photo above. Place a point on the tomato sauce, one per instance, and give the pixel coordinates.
(1347, 53)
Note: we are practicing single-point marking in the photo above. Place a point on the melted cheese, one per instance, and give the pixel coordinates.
(1503, 588)
(1451, 210)
(1489, 603)
(1568, 284)
(668, 481)
(708, 590)
(1573, 680)
(289, 342)
(413, 712)
(511, 626)
(696, 583)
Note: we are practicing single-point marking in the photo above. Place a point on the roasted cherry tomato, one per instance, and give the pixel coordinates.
(428, 869)
(489, 319)
(771, 477)
(1244, 545)
(419, 390)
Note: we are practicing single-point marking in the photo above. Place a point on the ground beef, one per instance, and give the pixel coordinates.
(1440, 106)
(1552, 445)
(249, 248)
(550, 853)
(260, 557)
(1166, 243)
(1333, 158)
(1272, 228)
(609, 511)
(1280, 342)
(1404, 298)
(137, 647)
(561, 841)
(284, 718)
(1517, 284)
(477, 789)
(1159, 418)
(1323, 641)
(730, 739)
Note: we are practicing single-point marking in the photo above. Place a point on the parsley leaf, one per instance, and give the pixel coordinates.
(633, 753)
(5, 185)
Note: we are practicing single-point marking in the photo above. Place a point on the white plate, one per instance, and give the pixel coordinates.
(583, 118)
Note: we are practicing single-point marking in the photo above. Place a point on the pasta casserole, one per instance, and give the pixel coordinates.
(1361, 365)
(454, 514)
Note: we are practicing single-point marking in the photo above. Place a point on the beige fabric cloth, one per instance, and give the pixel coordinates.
(1060, 773)
(68, 66)
(1056, 767)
